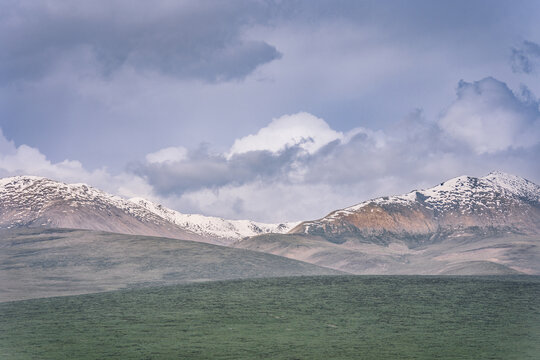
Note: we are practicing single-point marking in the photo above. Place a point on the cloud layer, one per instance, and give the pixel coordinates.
(182, 39)
(298, 167)
(136, 76)
(302, 129)
(298, 161)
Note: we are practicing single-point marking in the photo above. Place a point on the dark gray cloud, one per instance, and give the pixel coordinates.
(203, 169)
(526, 58)
(200, 40)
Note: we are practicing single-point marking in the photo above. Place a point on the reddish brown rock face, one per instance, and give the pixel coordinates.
(495, 203)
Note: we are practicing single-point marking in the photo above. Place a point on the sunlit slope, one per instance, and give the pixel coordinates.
(37, 202)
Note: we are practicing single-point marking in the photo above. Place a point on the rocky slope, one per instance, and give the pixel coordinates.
(495, 204)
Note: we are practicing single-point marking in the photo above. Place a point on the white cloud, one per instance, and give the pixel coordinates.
(303, 129)
(167, 155)
(489, 118)
(26, 160)
(274, 202)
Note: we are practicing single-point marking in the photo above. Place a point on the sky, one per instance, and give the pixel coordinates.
(268, 110)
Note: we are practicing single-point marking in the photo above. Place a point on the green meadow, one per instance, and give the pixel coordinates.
(313, 317)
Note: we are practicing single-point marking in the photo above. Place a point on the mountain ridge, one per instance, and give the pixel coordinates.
(33, 201)
(225, 230)
(496, 202)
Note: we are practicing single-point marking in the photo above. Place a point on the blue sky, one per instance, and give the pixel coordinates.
(271, 110)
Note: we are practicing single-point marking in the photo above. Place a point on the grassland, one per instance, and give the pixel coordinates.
(318, 317)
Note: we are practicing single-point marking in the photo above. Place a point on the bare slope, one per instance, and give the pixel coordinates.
(42, 263)
(471, 255)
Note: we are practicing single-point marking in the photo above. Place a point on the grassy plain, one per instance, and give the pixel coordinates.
(315, 317)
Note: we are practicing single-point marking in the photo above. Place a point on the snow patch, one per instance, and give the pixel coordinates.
(214, 226)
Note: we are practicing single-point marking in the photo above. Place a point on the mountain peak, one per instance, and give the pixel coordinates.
(514, 184)
(33, 201)
(497, 201)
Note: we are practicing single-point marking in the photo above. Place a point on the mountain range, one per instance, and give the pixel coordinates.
(30, 201)
(496, 203)
(466, 225)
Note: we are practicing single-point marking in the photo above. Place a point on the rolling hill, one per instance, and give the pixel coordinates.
(320, 317)
(38, 263)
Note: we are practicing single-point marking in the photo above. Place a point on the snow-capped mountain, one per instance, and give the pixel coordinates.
(30, 201)
(498, 202)
(224, 230)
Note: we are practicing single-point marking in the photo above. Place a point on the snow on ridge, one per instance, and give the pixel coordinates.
(463, 195)
(463, 189)
(20, 178)
(40, 192)
(515, 185)
(214, 226)
(467, 192)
